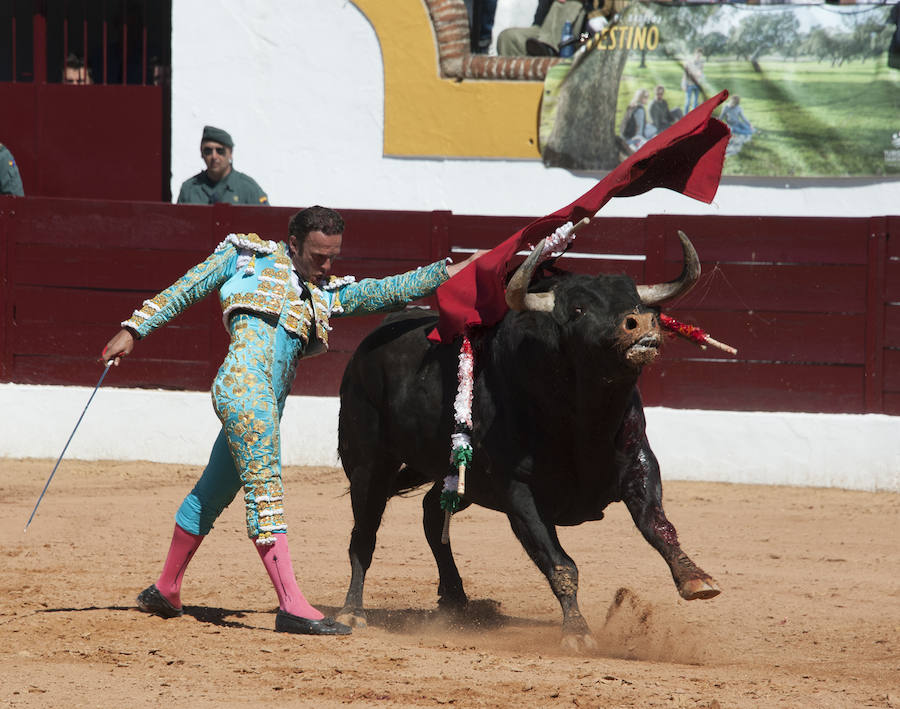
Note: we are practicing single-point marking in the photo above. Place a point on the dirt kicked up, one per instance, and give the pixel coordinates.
(809, 614)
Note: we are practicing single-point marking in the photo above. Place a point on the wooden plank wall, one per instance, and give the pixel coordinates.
(87, 141)
(813, 305)
(791, 294)
(890, 297)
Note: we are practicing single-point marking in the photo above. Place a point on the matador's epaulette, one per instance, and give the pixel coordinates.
(335, 282)
(248, 247)
(253, 242)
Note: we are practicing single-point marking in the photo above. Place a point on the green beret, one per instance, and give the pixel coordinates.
(217, 135)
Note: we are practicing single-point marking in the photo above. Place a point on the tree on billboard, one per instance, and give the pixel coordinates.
(713, 43)
(681, 26)
(866, 39)
(821, 45)
(584, 135)
(758, 34)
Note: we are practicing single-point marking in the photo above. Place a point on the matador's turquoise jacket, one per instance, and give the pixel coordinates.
(256, 275)
(274, 320)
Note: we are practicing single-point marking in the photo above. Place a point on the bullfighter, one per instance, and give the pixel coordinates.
(277, 299)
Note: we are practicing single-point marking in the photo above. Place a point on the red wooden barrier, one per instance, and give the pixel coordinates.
(813, 305)
(891, 302)
(86, 141)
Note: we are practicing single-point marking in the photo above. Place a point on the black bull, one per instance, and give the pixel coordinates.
(558, 426)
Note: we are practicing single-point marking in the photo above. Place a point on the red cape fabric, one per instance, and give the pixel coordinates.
(687, 158)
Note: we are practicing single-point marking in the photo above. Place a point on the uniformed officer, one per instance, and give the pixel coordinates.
(10, 180)
(220, 182)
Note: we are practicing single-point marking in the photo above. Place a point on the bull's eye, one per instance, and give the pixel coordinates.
(577, 313)
(630, 323)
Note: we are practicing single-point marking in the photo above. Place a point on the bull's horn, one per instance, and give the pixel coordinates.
(690, 273)
(517, 295)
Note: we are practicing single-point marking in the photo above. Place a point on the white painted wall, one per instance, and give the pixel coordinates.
(299, 85)
(821, 450)
(147, 424)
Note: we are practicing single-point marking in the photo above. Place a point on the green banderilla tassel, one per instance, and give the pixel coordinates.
(462, 456)
(450, 501)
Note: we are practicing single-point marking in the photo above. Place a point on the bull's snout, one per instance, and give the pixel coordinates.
(639, 338)
(634, 326)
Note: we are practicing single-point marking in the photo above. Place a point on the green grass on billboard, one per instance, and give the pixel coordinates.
(814, 119)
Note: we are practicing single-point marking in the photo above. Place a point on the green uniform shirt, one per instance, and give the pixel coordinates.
(10, 180)
(234, 188)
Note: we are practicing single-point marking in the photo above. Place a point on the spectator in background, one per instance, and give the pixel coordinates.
(636, 129)
(543, 37)
(742, 131)
(220, 182)
(76, 72)
(660, 115)
(481, 24)
(10, 180)
(691, 79)
(159, 72)
(733, 116)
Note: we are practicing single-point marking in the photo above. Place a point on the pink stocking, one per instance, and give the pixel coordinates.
(181, 551)
(277, 560)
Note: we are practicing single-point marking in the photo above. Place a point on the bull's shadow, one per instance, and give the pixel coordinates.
(480, 615)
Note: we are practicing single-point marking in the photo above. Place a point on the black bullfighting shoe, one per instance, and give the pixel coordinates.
(288, 623)
(150, 600)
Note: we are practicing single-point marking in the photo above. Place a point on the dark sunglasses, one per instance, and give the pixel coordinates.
(207, 151)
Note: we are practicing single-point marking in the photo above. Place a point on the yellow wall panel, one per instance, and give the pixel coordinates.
(427, 116)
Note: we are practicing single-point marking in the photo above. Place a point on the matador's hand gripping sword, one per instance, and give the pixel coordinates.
(47, 484)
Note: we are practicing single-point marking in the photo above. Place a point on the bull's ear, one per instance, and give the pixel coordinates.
(690, 273)
(540, 302)
(517, 295)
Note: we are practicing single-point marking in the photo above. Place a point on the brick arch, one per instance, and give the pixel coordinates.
(451, 28)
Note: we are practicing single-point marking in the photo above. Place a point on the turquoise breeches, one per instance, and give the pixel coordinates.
(248, 396)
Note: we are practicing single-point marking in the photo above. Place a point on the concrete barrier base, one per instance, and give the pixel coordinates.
(857, 452)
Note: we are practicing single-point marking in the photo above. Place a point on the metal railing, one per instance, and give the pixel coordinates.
(85, 41)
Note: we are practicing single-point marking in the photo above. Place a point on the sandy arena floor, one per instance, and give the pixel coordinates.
(809, 614)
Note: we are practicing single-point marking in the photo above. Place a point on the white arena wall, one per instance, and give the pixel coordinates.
(857, 452)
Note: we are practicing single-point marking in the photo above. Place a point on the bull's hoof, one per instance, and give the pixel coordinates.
(699, 588)
(576, 635)
(578, 643)
(454, 600)
(355, 619)
(455, 608)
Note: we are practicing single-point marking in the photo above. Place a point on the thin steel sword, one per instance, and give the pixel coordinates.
(105, 370)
